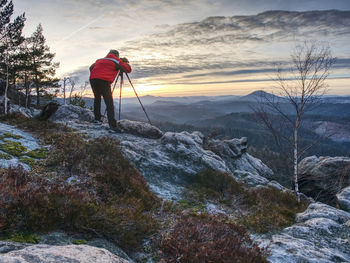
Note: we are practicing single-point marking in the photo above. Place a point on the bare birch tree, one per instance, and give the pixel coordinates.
(298, 90)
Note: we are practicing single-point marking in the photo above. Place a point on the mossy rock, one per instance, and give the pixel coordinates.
(79, 242)
(10, 135)
(37, 153)
(5, 156)
(13, 148)
(27, 160)
(25, 238)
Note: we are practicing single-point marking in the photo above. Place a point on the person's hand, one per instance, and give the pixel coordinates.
(124, 59)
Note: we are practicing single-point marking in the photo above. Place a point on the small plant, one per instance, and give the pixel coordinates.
(79, 242)
(37, 153)
(10, 135)
(5, 156)
(29, 161)
(13, 148)
(78, 101)
(25, 238)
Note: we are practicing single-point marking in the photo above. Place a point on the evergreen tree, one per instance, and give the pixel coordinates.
(10, 32)
(41, 66)
(10, 38)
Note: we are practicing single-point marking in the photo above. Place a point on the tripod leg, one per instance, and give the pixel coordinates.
(138, 98)
(120, 94)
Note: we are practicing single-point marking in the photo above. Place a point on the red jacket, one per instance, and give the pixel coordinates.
(107, 68)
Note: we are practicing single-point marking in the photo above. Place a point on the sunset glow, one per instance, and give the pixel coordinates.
(196, 47)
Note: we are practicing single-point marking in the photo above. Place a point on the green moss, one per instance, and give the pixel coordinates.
(5, 156)
(13, 148)
(79, 242)
(25, 238)
(30, 161)
(37, 153)
(10, 135)
(184, 203)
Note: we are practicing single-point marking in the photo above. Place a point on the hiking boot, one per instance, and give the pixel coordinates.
(116, 129)
(97, 122)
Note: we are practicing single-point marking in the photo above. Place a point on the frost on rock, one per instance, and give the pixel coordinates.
(343, 199)
(140, 128)
(68, 253)
(321, 234)
(169, 160)
(168, 163)
(10, 134)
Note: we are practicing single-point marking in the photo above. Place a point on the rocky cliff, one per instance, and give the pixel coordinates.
(168, 161)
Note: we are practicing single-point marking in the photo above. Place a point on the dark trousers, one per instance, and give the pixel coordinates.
(102, 88)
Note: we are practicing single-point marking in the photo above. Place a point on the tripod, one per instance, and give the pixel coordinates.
(120, 74)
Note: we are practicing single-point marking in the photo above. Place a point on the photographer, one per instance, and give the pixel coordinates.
(102, 74)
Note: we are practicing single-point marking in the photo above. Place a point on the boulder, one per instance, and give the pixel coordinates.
(321, 234)
(343, 199)
(49, 253)
(71, 112)
(322, 178)
(48, 110)
(140, 128)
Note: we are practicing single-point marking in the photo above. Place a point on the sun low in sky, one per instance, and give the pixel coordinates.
(194, 47)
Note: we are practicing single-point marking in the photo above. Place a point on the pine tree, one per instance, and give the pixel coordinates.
(41, 65)
(10, 32)
(10, 38)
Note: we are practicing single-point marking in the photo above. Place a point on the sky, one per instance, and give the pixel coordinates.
(192, 47)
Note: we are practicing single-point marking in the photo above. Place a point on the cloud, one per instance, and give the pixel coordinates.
(229, 47)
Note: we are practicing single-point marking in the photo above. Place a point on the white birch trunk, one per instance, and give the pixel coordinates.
(296, 162)
(7, 87)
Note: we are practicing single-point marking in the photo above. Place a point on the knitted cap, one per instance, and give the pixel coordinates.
(115, 52)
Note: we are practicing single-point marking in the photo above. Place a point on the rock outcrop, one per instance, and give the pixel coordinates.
(343, 199)
(323, 177)
(168, 160)
(11, 252)
(321, 234)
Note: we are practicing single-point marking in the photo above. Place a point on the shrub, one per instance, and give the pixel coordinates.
(32, 203)
(214, 184)
(271, 209)
(264, 209)
(78, 100)
(111, 199)
(209, 239)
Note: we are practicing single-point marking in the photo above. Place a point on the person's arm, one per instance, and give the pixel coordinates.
(124, 66)
(92, 66)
